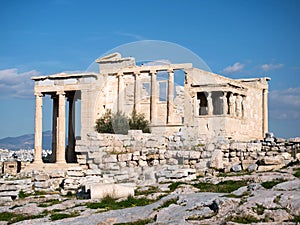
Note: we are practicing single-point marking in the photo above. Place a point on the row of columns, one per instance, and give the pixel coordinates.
(58, 128)
(233, 105)
(154, 96)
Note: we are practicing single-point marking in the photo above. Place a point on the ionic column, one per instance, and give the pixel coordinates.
(209, 104)
(71, 130)
(225, 103)
(153, 98)
(120, 92)
(61, 128)
(137, 94)
(265, 112)
(170, 100)
(38, 128)
(54, 127)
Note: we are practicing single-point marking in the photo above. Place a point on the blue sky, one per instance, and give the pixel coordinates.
(235, 38)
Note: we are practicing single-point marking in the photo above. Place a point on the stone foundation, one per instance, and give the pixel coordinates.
(139, 159)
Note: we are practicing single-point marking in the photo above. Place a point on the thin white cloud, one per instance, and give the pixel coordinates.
(285, 104)
(16, 84)
(131, 35)
(236, 67)
(267, 67)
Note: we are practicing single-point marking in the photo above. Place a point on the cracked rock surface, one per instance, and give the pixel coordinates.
(266, 198)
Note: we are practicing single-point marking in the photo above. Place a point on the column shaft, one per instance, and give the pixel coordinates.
(170, 100)
(61, 128)
(137, 94)
(153, 99)
(120, 93)
(71, 131)
(265, 112)
(38, 128)
(54, 127)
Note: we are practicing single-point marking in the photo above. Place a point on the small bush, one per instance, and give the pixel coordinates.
(260, 209)
(245, 219)
(112, 123)
(168, 203)
(297, 174)
(222, 187)
(118, 123)
(138, 122)
(13, 217)
(60, 216)
(23, 195)
(104, 124)
(296, 219)
(139, 222)
(150, 190)
(175, 185)
(270, 184)
(109, 203)
(49, 202)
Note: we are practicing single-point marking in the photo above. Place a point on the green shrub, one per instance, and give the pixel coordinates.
(222, 187)
(168, 203)
(150, 190)
(49, 202)
(111, 204)
(14, 217)
(139, 222)
(270, 184)
(60, 216)
(245, 219)
(118, 123)
(139, 122)
(112, 123)
(23, 195)
(175, 185)
(104, 124)
(297, 174)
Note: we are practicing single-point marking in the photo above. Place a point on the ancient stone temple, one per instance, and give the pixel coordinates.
(175, 98)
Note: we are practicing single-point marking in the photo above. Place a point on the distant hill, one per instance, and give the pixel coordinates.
(25, 141)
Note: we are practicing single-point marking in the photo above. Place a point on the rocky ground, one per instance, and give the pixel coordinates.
(234, 198)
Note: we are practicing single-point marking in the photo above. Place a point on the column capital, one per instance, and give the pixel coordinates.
(61, 93)
(153, 72)
(39, 94)
(170, 71)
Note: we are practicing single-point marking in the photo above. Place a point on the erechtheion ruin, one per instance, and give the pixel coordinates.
(204, 106)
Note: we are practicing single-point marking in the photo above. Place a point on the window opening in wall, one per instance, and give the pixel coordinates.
(179, 76)
(146, 89)
(217, 102)
(162, 91)
(202, 101)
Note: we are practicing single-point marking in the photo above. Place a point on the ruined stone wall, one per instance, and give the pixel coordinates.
(143, 158)
(146, 159)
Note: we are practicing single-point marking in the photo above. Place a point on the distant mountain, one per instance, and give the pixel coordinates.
(25, 141)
